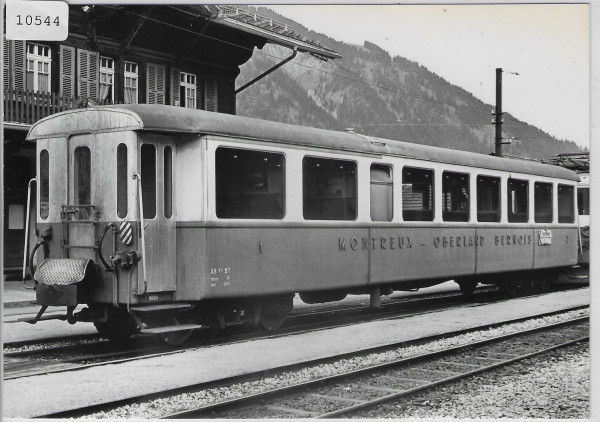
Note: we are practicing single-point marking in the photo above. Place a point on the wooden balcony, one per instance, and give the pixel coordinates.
(25, 107)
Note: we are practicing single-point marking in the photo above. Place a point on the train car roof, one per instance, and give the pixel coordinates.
(161, 118)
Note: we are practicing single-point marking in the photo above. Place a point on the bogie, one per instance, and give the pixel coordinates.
(117, 325)
(467, 286)
(274, 310)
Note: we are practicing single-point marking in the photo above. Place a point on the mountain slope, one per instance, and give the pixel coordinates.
(379, 95)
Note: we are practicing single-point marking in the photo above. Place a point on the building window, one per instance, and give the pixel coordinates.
(107, 78)
(455, 196)
(148, 176)
(44, 184)
(518, 201)
(39, 59)
(543, 202)
(382, 199)
(488, 199)
(329, 189)
(187, 90)
(566, 204)
(122, 181)
(417, 194)
(131, 83)
(249, 184)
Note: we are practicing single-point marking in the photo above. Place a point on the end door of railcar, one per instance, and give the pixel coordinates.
(156, 164)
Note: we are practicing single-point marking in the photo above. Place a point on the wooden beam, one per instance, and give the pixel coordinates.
(133, 33)
(197, 41)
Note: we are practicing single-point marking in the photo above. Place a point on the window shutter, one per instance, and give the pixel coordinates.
(6, 61)
(151, 84)
(210, 93)
(155, 76)
(67, 71)
(19, 61)
(175, 83)
(87, 80)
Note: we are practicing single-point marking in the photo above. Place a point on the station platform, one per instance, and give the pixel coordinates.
(15, 295)
(156, 373)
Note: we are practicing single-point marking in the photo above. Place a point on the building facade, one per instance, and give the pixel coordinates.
(183, 56)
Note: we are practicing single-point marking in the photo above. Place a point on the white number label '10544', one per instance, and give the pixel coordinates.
(37, 20)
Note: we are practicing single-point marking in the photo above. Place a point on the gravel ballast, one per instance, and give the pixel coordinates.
(160, 407)
(552, 386)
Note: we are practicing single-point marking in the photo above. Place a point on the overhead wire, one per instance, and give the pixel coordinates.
(382, 86)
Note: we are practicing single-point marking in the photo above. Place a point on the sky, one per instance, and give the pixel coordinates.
(546, 44)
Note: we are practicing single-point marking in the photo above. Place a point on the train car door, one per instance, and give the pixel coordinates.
(83, 205)
(157, 154)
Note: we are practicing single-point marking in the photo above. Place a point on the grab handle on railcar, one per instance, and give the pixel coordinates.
(31, 269)
(26, 247)
(143, 236)
(107, 267)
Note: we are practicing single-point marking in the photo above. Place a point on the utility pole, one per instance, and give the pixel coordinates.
(498, 114)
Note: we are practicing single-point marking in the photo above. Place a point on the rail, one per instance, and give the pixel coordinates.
(27, 107)
(86, 410)
(289, 398)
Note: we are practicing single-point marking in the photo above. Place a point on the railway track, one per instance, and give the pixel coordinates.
(347, 394)
(43, 358)
(30, 359)
(343, 382)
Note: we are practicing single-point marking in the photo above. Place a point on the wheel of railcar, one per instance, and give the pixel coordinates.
(118, 327)
(274, 311)
(467, 287)
(542, 282)
(511, 288)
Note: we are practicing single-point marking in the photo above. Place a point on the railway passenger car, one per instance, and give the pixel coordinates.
(579, 162)
(583, 205)
(164, 219)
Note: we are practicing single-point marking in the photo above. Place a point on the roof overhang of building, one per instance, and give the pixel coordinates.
(252, 23)
(302, 46)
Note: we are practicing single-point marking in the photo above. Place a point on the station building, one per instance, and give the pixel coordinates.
(183, 56)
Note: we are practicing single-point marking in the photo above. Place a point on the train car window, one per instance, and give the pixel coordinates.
(543, 202)
(455, 196)
(566, 204)
(122, 181)
(583, 201)
(82, 180)
(488, 199)
(417, 194)
(382, 200)
(518, 201)
(44, 184)
(148, 175)
(249, 184)
(168, 181)
(329, 189)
